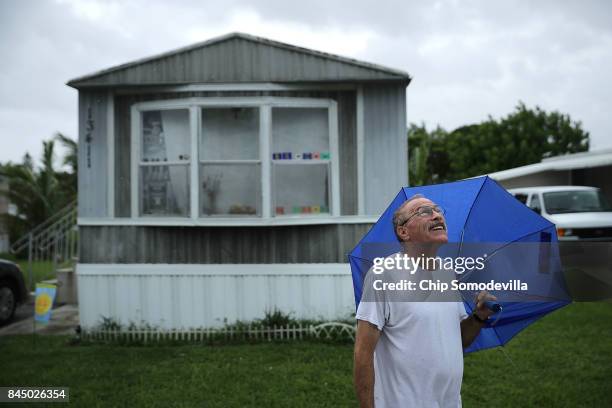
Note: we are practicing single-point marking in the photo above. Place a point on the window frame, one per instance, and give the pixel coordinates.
(540, 208)
(265, 105)
(523, 196)
(139, 164)
(201, 161)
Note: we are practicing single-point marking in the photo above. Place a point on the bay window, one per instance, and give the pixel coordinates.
(164, 162)
(230, 166)
(205, 158)
(300, 160)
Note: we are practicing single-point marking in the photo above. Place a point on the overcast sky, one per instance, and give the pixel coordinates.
(468, 59)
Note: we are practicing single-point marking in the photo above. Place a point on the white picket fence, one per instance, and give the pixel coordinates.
(324, 331)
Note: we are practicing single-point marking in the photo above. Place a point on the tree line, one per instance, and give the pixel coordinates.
(525, 136)
(38, 191)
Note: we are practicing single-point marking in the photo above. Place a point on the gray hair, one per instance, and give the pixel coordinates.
(397, 215)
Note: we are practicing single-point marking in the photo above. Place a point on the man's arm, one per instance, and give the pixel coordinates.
(365, 342)
(470, 327)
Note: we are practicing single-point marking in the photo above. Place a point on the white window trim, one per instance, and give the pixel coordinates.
(360, 152)
(110, 150)
(227, 222)
(265, 105)
(195, 120)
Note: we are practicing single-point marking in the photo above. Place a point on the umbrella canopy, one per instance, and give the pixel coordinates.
(480, 212)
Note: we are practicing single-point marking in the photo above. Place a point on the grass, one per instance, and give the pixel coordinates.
(562, 360)
(41, 270)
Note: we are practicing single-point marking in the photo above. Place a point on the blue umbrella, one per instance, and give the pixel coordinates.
(478, 210)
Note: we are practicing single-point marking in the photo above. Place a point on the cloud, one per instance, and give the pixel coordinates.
(469, 59)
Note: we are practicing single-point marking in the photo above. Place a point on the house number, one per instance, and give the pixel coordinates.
(89, 127)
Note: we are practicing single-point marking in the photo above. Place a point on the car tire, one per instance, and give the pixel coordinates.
(8, 302)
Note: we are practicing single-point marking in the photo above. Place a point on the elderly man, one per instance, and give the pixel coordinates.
(409, 354)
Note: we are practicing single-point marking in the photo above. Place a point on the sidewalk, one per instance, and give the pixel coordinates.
(64, 320)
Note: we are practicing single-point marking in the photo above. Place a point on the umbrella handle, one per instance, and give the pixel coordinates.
(493, 306)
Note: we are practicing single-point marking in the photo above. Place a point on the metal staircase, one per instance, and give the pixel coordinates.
(52, 244)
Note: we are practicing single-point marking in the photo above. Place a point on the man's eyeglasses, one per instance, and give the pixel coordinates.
(425, 211)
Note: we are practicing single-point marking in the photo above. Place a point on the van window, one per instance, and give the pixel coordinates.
(521, 197)
(535, 203)
(576, 201)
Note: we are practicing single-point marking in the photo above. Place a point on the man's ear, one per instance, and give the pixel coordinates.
(407, 235)
(407, 238)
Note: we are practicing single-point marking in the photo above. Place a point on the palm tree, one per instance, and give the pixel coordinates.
(68, 180)
(71, 156)
(35, 192)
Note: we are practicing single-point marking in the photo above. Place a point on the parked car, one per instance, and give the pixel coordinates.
(13, 290)
(579, 213)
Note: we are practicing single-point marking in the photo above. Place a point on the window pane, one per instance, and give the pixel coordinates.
(165, 135)
(521, 197)
(575, 201)
(535, 202)
(164, 190)
(298, 131)
(301, 188)
(230, 189)
(230, 134)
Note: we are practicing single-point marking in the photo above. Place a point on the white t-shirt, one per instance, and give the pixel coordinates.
(418, 360)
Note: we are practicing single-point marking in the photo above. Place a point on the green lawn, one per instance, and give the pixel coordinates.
(563, 360)
(42, 270)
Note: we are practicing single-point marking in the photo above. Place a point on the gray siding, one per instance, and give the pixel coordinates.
(347, 143)
(596, 177)
(385, 144)
(546, 178)
(93, 159)
(239, 58)
(215, 245)
(122, 156)
(346, 139)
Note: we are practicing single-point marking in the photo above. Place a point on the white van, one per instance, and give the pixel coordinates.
(578, 212)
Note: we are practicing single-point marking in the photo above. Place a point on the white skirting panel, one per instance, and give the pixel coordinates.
(178, 296)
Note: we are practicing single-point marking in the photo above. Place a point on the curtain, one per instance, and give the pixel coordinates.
(175, 124)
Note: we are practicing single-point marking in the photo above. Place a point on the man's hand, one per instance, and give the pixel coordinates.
(470, 327)
(481, 310)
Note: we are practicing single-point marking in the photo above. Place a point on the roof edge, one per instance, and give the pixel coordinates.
(402, 75)
(589, 159)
